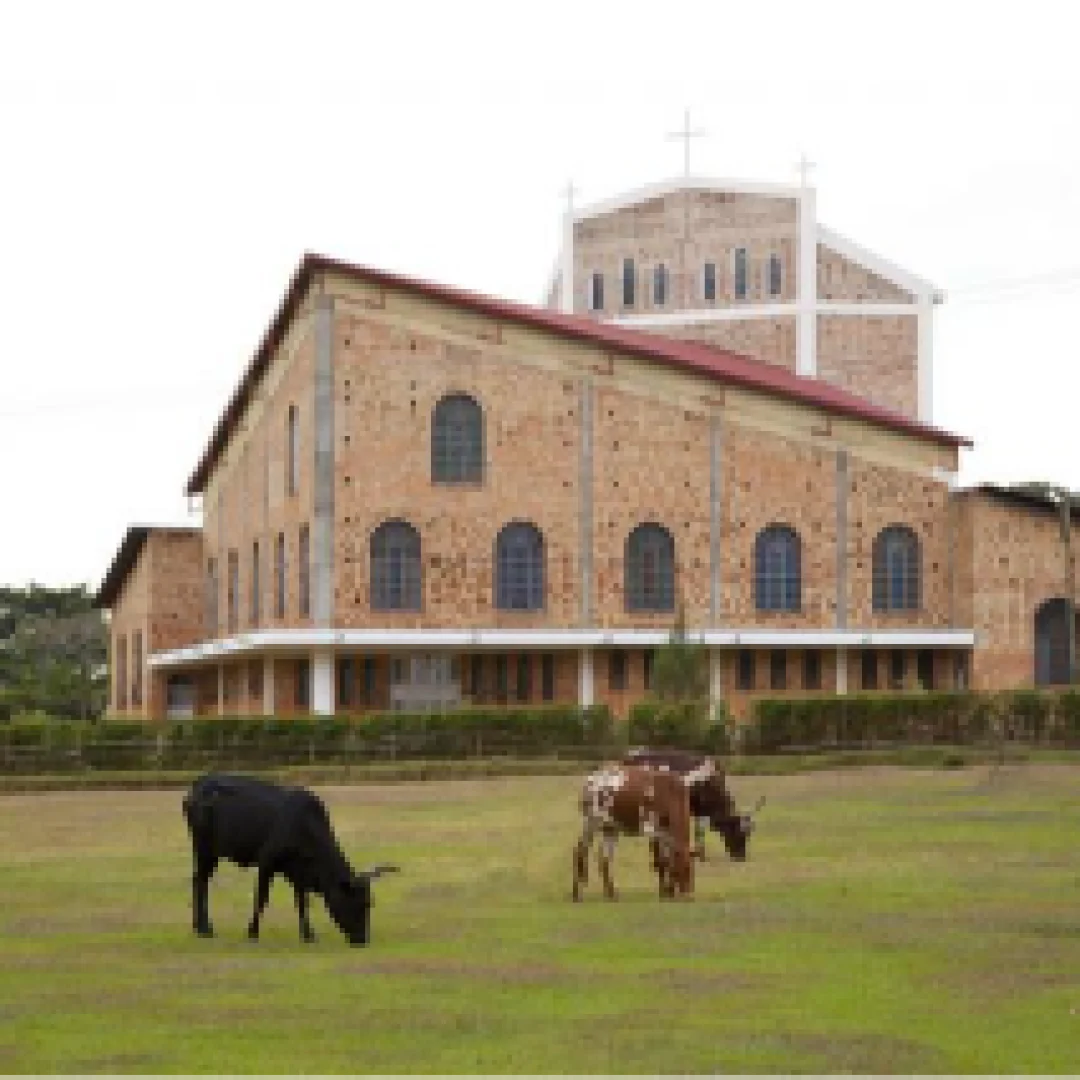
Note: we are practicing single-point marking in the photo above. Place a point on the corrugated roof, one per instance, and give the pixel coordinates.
(1021, 495)
(124, 560)
(724, 367)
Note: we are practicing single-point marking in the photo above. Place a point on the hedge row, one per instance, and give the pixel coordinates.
(862, 721)
(1036, 718)
(249, 741)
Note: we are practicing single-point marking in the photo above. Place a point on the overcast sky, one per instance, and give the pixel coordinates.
(163, 169)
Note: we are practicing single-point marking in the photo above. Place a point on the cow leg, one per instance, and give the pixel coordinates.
(262, 895)
(699, 839)
(664, 869)
(306, 933)
(581, 859)
(654, 850)
(607, 852)
(205, 865)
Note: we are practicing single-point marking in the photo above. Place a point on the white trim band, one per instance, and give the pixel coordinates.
(786, 310)
(304, 641)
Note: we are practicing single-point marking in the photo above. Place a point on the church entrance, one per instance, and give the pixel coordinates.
(180, 696)
(1052, 643)
(429, 682)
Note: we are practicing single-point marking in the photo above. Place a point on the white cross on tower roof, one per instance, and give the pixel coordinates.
(686, 135)
(805, 165)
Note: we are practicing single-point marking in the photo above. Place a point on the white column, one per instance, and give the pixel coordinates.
(268, 686)
(585, 678)
(566, 271)
(221, 690)
(925, 362)
(322, 683)
(806, 285)
(841, 671)
(716, 679)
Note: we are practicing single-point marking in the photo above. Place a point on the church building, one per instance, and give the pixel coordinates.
(420, 497)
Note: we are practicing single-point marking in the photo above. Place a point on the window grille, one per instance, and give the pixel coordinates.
(777, 569)
(457, 441)
(650, 569)
(519, 568)
(896, 573)
(395, 567)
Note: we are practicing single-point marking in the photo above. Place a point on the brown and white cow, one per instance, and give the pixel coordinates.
(711, 803)
(634, 801)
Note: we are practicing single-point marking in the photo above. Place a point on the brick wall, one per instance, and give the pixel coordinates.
(683, 231)
(1014, 558)
(841, 279)
(874, 356)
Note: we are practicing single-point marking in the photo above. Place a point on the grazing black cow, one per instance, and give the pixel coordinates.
(280, 830)
(710, 801)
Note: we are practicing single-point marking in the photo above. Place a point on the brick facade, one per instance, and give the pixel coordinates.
(1014, 560)
(875, 355)
(585, 443)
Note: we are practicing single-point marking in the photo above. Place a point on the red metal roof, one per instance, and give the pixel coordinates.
(124, 560)
(724, 367)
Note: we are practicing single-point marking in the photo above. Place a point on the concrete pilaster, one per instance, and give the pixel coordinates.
(841, 671)
(322, 525)
(585, 513)
(221, 689)
(585, 678)
(268, 686)
(322, 683)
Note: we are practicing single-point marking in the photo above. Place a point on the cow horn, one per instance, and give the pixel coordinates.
(380, 869)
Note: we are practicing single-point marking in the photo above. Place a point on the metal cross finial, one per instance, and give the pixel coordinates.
(569, 192)
(805, 165)
(686, 135)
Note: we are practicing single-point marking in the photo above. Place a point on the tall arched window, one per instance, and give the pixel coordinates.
(395, 567)
(649, 568)
(778, 569)
(897, 571)
(457, 440)
(775, 275)
(292, 466)
(660, 283)
(519, 568)
(1052, 643)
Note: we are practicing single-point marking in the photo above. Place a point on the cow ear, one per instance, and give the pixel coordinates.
(377, 871)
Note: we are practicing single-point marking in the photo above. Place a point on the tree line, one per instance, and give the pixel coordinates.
(53, 653)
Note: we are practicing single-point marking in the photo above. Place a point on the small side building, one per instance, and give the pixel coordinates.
(1017, 572)
(153, 593)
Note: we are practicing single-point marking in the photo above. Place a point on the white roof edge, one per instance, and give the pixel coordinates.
(303, 639)
(681, 183)
(830, 238)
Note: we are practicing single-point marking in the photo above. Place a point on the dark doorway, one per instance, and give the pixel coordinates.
(1052, 643)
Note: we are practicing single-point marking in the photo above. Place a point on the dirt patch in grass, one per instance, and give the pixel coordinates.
(121, 1063)
(511, 973)
(869, 1053)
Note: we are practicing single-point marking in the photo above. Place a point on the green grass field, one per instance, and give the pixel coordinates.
(888, 921)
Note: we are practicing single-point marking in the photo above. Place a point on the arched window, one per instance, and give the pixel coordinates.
(741, 273)
(775, 275)
(649, 567)
(778, 569)
(1052, 643)
(457, 440)
(395, 567)
(519, 568)
(897, 571)
(292, 479)
(660, 282)
(628, 278)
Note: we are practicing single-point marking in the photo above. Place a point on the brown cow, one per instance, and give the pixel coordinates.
(637, 802)
(710, 800)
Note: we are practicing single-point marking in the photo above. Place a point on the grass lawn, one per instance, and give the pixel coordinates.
(889, 920)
